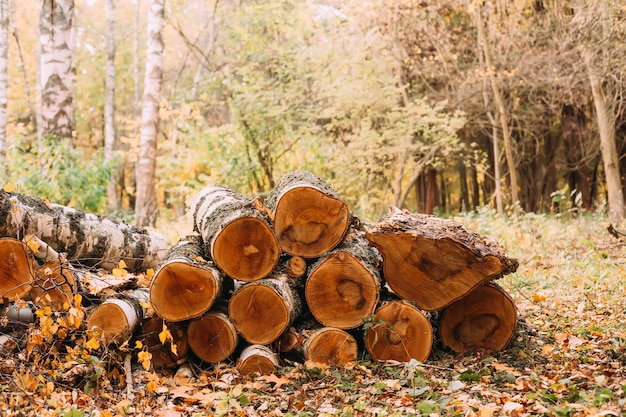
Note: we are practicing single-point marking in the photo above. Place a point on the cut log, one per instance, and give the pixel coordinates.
(16, 316)
(257, 359)
(164, 355)
(400, 332)
(119, 316)
(17, 270)
(309, 217)
(433, 261)
(331, 347)
(236, 232)
(212, 337)
(261, 311)
(185, 285)
(484, 319)
(343, 287)
(55, 286)
(86, 238)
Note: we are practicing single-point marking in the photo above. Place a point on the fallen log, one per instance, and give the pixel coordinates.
(16, 315)
(399, 332)
(185, 285)
(309, 217)
(54, 286)
(119, 316)
(343, 286)
(236, 233)
(484, 319)
(85, 238)
(17, 270)
(212, 337)
(434, 261)
(258, 359)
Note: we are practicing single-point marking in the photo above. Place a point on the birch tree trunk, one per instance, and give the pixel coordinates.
(4, 54)
(56, 70)
(109, 104)
(146, 205)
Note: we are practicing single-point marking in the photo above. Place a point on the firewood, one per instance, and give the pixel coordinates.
(485, 319)
(261, 311)
(16, 316)
(55, 285)
(399, 332)
(310, 219)
(434, 261)
(343, 286)
(236, 233)
(164, 355)
(185, 284)
(330, 346)
(119, 316)
(17, 270)
(258, 359)
(84, 237)
(212, 337)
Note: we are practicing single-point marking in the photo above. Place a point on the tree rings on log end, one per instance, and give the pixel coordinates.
(212, 337)
(111, 317)
(401, 332)
(257, 359)
(246, 249)
(340, 292)
(331, 347)
(309, 222)
(484, 319)
(17, 269)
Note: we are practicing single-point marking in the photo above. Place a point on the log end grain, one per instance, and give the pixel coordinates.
(54, 286)
(401, 332)
(17, 269)
(484, 319)
(257, 359)
(331, 347)
(112, 319)
(212, 337)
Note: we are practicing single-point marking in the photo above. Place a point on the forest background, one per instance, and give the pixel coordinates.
(437, 107)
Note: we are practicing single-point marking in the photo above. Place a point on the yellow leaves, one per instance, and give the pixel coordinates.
(150, 272)
(120, 271)
(8, 188)
(152, 386)
(47, 203)
(26, 382)
(33, 243)
(138, 344)
(166, 336)
(537, 298)
(92, 344)
(145, 358)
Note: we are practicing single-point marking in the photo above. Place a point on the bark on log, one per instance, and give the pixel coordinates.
(185, 285)
(309, 217)
(86, 238)
(401, 332)
(16, 316)
(330, 346)
(236, 232)
(17, 270)
(119, 316)
(212, 337)
(261, 311)
(163, 354)
(433, 261)
(343, 287)
(484, 319)
(258, 359)
(55, 286)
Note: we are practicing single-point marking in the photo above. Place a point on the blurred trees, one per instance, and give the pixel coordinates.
(433, 106)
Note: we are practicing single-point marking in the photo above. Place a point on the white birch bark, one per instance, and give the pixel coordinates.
(146, 205)
(109, 104)
(4, 55)
(56, 70)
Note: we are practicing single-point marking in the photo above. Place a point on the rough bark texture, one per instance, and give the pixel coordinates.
(309, 217)
(119, 316)
(433, 261)
(258, 359)
(261, 311)
(345, 281)
(484, 319)
(164, 355)
(17, 270)
(85, 238)
(236, 232)
(185, 285)
(401, 332)
(212, 337)
(55, 286)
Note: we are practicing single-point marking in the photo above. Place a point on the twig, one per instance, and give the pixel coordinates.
(613, 231)
(129, 376)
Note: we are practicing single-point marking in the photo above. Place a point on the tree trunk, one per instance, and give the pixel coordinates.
(4, 87)
(399, 332)
(85, 238)
(54, 286)
(185, 285)
(119, 316)
(345, 280)
(236, 233)
(258, 359)
(433, 261)
(309, 217)
(109, 106)
(212, 337)
(17, 269)
(145, 203)
(484, 319)
(261, 311)
(164, 355)
(56, 70)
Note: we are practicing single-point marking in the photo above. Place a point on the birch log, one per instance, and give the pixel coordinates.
(85, 238)
(17, 270)
(119, 316)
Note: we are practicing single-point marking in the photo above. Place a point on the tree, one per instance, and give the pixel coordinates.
(56, 70)
(4, 52)
(146, 204)
(109, 104)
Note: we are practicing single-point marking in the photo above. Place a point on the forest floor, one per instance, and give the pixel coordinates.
(568, 358)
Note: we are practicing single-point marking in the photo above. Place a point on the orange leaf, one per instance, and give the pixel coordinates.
(8, 188)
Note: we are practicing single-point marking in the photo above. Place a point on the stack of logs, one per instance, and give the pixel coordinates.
(298, 275)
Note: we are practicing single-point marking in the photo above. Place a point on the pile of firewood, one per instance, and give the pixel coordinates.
(295, 275)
